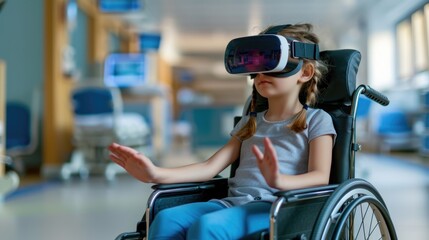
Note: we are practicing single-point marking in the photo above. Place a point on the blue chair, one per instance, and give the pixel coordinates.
(395, 132)
(18, 126)
(98, 121)
(21, 131)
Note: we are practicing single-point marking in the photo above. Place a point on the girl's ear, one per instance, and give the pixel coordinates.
(307, 72)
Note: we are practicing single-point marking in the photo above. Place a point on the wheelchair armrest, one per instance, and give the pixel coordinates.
(214, 188)
(169, 195)
(306, 193)
(198, 185)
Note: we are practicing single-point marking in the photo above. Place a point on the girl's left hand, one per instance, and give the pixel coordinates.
(267, 163)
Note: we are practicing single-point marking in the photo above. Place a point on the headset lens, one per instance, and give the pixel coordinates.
(256, 54)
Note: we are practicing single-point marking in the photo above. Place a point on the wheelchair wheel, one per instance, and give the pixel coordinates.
(354, 211)
(363, 218)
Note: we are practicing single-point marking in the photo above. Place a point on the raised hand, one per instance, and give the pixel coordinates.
(135, 163)
(267, 163)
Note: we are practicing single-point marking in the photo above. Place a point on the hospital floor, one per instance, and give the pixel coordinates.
(95, 209)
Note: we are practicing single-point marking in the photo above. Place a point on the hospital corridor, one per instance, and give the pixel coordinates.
(93, 92)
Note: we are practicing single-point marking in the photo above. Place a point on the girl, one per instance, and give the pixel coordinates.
(286, 147)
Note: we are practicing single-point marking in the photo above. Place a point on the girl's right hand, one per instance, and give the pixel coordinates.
(268, 163)
(135, 163)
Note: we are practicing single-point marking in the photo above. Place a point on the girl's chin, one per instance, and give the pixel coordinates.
(265, 94)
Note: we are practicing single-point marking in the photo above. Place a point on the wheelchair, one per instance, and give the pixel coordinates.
(347, 208)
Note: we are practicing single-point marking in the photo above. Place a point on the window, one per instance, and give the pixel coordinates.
(419, 41)
(412, 35)
(403, 36)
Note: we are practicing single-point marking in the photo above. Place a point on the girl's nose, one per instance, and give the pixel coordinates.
(253, 76)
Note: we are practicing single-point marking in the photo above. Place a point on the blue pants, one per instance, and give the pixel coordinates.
(210, 220)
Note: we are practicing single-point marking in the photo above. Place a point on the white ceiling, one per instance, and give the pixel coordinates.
(197, 29)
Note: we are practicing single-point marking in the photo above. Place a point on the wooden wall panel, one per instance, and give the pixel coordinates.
(57, 119)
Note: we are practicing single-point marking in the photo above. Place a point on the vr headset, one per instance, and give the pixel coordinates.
(268, 53)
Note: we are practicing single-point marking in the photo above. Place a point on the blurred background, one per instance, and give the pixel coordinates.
(77, 75)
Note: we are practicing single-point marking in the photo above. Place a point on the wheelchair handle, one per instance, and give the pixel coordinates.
(375, 95)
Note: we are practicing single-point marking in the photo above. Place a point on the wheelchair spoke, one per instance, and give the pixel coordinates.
(373, 229)
(365, 228)
(370, 224)
(376, 225)
(362, 223)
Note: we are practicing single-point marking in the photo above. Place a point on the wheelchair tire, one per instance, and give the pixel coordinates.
(342, 205)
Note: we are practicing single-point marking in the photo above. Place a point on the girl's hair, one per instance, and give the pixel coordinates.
(303, 33)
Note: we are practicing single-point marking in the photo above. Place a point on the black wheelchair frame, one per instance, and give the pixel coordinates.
(347, 208)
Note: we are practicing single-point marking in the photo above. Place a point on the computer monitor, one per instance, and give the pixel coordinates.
(118, 6)
(150, 41)
(123, 70)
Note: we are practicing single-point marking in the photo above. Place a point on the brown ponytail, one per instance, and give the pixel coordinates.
(250, 127)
